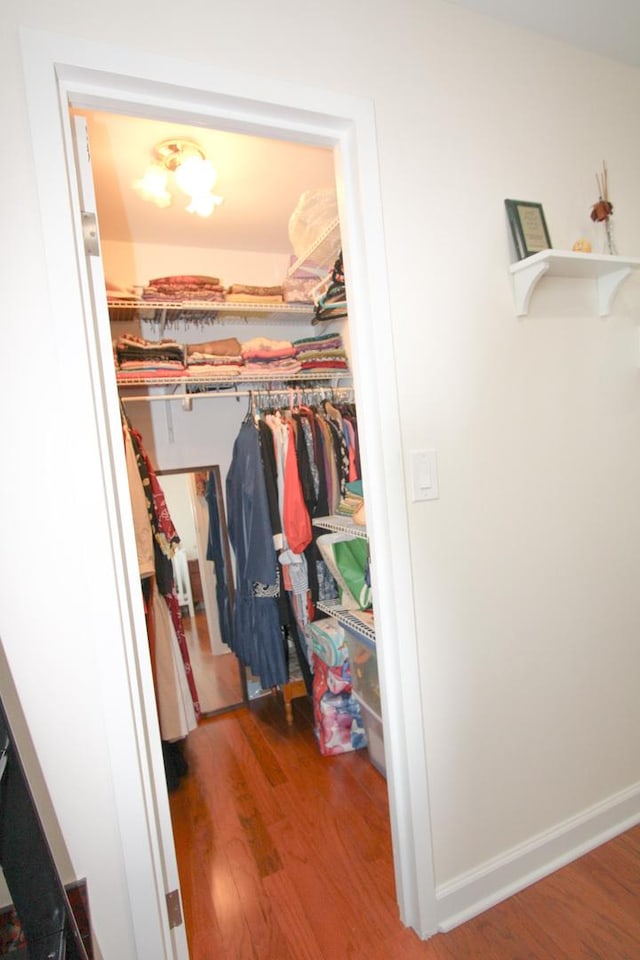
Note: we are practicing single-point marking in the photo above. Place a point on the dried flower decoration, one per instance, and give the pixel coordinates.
(603, 209)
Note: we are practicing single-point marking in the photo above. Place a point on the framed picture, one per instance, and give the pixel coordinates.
(528, 227)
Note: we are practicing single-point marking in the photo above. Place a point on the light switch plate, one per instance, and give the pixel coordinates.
(424, 475)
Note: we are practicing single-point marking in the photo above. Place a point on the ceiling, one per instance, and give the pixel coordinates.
(261, 181)
(610, 28)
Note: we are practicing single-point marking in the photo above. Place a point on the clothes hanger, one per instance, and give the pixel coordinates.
(332, 411)
(251, 415)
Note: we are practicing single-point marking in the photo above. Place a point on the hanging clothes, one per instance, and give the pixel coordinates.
(257, 637)
(274, 439)
(216, 555)
(288, 467)
(141, 525)
(164, 621)
(176, 707)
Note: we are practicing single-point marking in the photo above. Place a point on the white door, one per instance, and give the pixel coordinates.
(168, 894)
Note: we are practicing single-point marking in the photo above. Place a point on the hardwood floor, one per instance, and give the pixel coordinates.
(286, 855)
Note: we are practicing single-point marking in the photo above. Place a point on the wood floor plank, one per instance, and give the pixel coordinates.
(620, 858)
(230, 918)
(334, 856)
(244, 741)
(326, 900)
(615, 874)
(291, 917)
(581, 919)
(632, 839)
(510, 933)
(261, 919)
(310, 771)
(365, 862)
(192, 831)
(347, 835)
(265, 756)
(211, 766)
(244, 783)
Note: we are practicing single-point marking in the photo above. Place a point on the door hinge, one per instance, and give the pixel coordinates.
(90, 234)
(174, 909)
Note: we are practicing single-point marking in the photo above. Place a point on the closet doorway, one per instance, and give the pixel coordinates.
(118, 80)
(278, 197)
(246, 240)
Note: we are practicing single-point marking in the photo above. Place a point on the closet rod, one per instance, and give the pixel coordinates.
(187, 396)
(334, 391)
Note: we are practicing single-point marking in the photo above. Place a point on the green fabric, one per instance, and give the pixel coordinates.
(352, 557)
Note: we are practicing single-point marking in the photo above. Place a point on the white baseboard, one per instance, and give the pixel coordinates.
(494, 881)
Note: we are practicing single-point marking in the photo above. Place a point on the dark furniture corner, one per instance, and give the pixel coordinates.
(41, 924)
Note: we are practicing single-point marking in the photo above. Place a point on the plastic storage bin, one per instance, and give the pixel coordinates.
(363, 661)
(375, 737)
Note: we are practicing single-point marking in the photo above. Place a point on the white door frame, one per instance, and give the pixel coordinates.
(62, 71)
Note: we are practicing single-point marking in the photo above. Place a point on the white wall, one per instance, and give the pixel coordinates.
(526, 608)
(526, 569)
(129, 264)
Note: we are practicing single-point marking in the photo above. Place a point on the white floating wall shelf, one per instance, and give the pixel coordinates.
(608, 272)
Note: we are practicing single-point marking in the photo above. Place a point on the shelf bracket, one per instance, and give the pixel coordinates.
(524, 283)
(608, 285)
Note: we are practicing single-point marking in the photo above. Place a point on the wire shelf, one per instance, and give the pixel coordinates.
(341, 525)
(347, 618)
(309, 378)
(323, 251)
(200, 311)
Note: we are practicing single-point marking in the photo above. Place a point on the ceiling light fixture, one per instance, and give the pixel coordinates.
(193, 174)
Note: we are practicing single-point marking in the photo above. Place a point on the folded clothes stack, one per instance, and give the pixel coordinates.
(218, 358)
(352, 503)
(321, 353)
(265, 355)
(228, 357)
(181, 287)
(245, 293)
(328, 641)
(137, 357)
(331, 302)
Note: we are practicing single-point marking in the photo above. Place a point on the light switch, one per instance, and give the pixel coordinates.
(424, 475)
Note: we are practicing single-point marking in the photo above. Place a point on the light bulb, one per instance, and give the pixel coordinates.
(203, 204)
(195, 176)
(153, 186)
